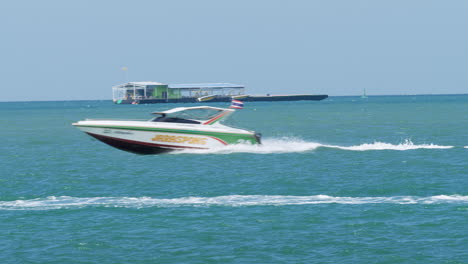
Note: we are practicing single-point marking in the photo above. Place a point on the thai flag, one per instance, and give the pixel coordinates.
(237, 104)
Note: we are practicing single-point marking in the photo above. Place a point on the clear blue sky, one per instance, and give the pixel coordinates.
(73, 50)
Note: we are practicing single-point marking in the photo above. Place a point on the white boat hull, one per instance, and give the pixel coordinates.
(151, 142)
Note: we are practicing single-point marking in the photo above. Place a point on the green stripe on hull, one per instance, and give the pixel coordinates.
(230, 138)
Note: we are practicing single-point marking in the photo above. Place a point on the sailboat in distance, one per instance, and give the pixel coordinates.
(364, 96)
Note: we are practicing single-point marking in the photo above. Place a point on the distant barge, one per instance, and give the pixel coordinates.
(154, 93)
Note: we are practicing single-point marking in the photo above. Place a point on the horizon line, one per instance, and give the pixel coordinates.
(329, 96)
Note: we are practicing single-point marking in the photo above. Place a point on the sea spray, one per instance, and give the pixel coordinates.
(292, 145)
(268, 146)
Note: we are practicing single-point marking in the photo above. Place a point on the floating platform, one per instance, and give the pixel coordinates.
(304, 97)
(156, 93)
(256, 98)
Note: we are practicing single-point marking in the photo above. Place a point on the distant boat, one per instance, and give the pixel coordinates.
(364, 96)
(239, 97)
(206, 98)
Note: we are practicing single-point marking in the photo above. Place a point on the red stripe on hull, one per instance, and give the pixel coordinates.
(215, 118)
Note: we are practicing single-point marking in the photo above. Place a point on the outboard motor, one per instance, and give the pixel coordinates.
(258, 137)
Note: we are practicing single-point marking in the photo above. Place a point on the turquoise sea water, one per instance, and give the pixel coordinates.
(344, 180)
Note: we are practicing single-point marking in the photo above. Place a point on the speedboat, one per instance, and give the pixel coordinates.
(175, 129)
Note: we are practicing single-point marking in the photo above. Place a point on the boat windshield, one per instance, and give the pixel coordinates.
(197, 114)
(194, 116)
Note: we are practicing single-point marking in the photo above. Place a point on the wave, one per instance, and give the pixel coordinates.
(290, 145)
(66, 202)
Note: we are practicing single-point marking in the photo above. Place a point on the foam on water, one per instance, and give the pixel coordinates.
(268, 146)
(291, 145)
(66, 202)
(406, 145)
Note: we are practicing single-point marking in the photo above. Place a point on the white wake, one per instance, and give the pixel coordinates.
(291, 145)
(406, 145)
(66, 202)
